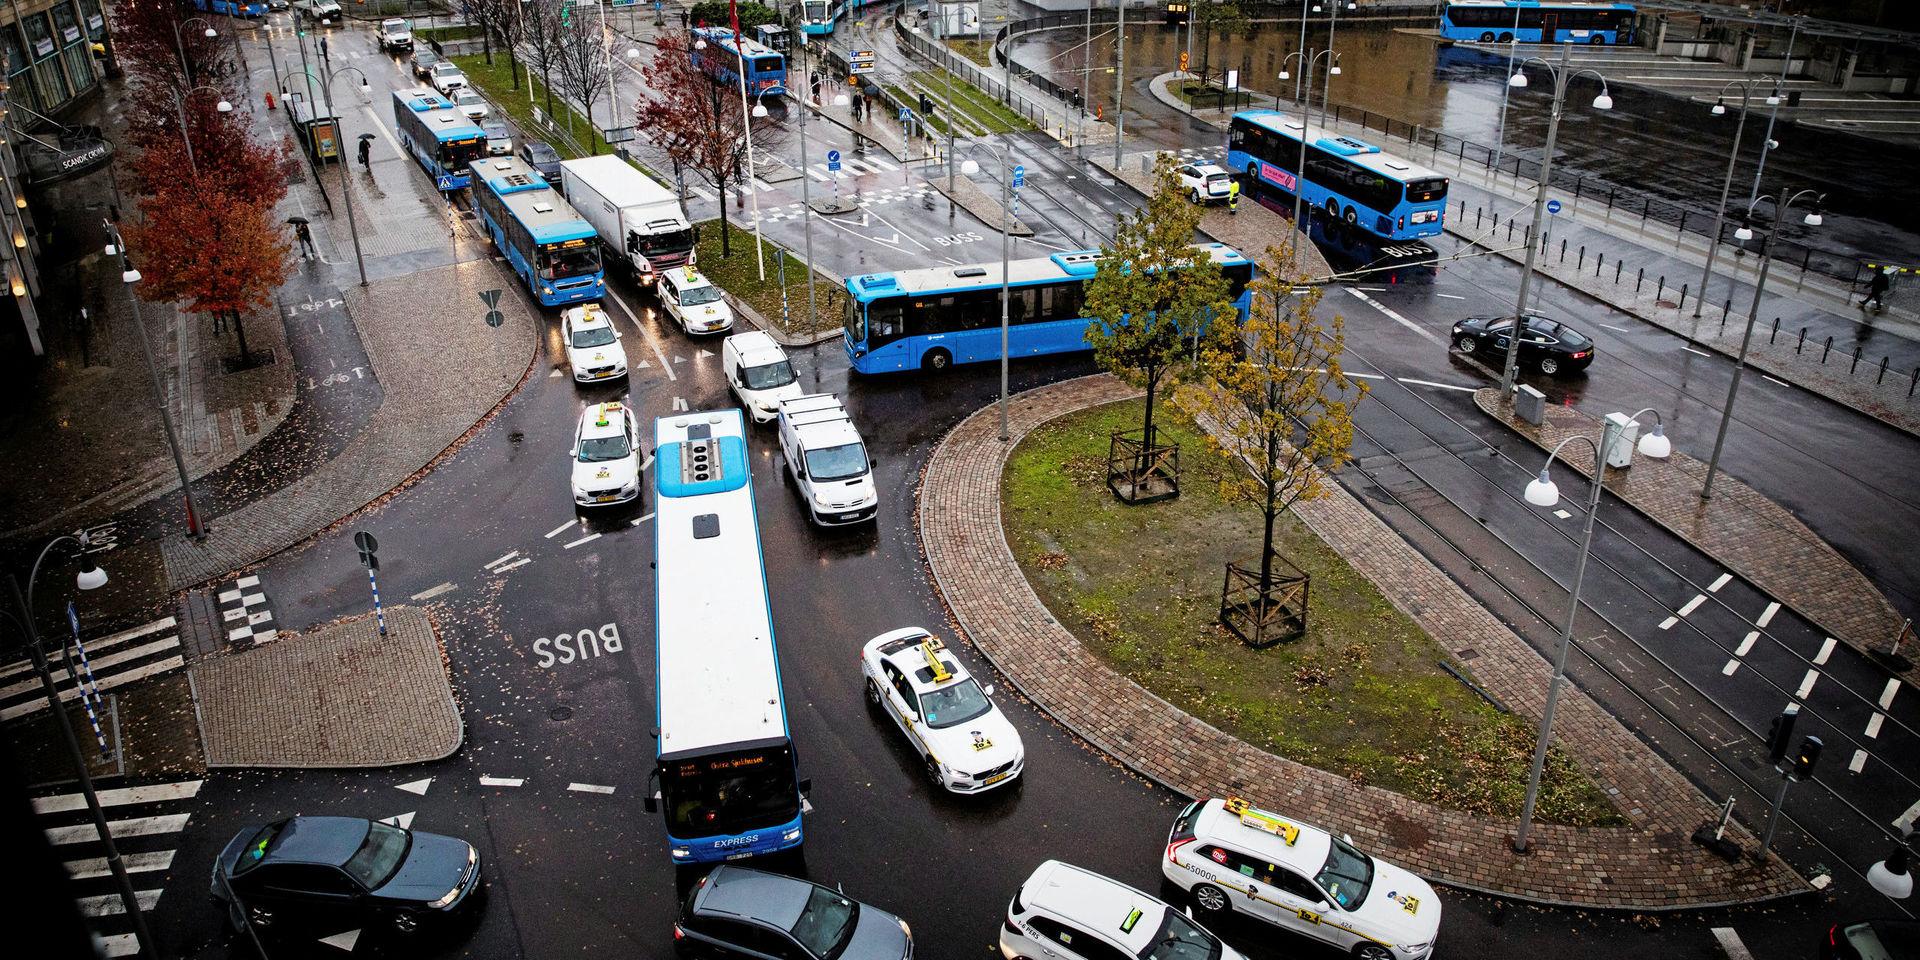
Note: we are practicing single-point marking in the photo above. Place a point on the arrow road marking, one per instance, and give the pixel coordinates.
(402, 820)
(651, 343)
(342, 941)
(416, 787)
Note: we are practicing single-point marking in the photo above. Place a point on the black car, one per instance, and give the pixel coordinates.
(423, 61)
(1872, 940)
(1548, 345)
(543, 158)
(735, 912)
(335, 873)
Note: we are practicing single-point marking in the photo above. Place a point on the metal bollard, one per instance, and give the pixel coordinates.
(1477, 212)
(1855, 365)
(1915, 382)
(1639, 277)
(1580, 264)
(1803, 340)
(1563, 250)
(1725, 306)
(1509, 230)
(1883, 372)
(1826, 350)
(1599, 260)
(1775, 333)
(1660, 292)
(1683, 294)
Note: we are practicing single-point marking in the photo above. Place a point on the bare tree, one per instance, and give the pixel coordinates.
(541, 36)
(583, 49)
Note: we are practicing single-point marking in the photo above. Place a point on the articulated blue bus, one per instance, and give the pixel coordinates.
(725, 774)
(438, 135)
(1350, 180)
(817, 17)
(555, 252)
(766, 69)
(1538, 21)
(935, 317)
(235, 8)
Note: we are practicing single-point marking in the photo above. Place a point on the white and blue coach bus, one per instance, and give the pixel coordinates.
(726, 775)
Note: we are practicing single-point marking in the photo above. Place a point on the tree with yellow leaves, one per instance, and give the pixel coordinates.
(1278, 402)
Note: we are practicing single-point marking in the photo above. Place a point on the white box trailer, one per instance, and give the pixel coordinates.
(640, 222)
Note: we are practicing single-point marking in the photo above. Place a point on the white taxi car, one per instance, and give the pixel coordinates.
(950, 719)
(1234, 857)
(694, 301)
(1204, 182)
(593, 346)
(1063, 911)
(606, 456)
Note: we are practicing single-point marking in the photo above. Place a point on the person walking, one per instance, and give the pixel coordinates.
(1877, 289)
(1233, 198)
(305, 235)
(366, 155)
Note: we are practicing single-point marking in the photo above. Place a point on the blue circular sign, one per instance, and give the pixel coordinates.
(1553, 206)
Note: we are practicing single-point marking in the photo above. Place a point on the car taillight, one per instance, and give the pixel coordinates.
(1582, 355)
(678, 934)
(1174, 848)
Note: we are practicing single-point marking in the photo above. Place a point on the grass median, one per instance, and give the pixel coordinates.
(1362, 695)
(495, 80)
(739, 276)
(980, 109)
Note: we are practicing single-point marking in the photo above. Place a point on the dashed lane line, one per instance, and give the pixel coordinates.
(589, 538)
(1886, 695)
(1720, 582)
(523, 561)
(1826, 650)
(1443, 386)
(431, 592)
(1766, 616)
(1806, 684)
(1702, 353)
(1873, 725)
(1694, 604)
(486, 781)
(1731, 666)
(1858, 762)
(556, 531)
(497, 561)
(589, 788)
(1776, 380)
(1747, 644)
(636, 521)
(1668, 623)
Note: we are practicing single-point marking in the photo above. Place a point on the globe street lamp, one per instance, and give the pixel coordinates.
(180, 109)
(180, 48)
(1562, 75)
(1733, 157)
(1743, 234)
(1893, 877)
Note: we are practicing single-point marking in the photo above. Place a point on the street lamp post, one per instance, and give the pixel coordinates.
(1733, 158)
(1308, 58)
(130, 276)
(1120, 80)
(346, 183)
(180, 108)
(186, 67)
(746, 120)
(1561, 77)
(806, 221)
(1767, 143)
(1333, 63)
(1544, 493)
(1744, 234)
(90, 577)
(1513, 50)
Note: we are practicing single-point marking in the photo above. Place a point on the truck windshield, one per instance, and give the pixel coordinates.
(843, 462)
(673, 241)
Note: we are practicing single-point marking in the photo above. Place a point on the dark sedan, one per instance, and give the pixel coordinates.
(737, 912)
(1547, 345)
(336, 873)
(543, 158)
(423, 60)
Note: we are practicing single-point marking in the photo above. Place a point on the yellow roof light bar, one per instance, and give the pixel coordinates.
(930, 648)
(1259, 819)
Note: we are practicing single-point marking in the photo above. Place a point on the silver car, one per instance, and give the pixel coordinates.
(744, 912)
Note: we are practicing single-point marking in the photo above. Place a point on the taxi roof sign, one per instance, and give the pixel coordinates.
(930, 648)
(1259, 819)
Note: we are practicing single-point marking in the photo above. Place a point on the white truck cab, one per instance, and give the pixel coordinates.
(827, 460)
(396, 34)
(759, 374)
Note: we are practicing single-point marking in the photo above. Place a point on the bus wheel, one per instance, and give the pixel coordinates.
(936, 360)
(1506, 38)
(1596, 39)
(1333, 208)
(1350, 217)
(1486, 37)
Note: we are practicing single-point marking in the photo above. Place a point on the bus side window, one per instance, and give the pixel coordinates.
(883, 321)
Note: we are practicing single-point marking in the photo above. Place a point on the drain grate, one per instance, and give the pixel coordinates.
(561, 713)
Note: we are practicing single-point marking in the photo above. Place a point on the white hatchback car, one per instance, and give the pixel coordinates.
(693, 301)
(1237, 858)
(759, 374)
(471, 104)
(1204, 182)
(1063, 911)
(593, 346)
(446, 77)
(950, 720)
(606, 456)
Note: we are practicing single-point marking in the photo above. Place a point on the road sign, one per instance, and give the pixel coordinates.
(365, 542)
(495, 318)
(1019, 175)
(833, 161)
(860, 62)
(1553, 206)
(905, 114)
(490, 297)
(617, 135)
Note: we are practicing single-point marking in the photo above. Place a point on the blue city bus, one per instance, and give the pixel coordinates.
(233, 8)
(555, 252)
(934, 317)
(438, 135)
(725, 774)
(1538, 21)
(1351, 180)
(766, 69)
(817, 17)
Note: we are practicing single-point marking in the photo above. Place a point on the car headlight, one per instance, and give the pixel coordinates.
(1413, 948)
(547, 290)
(443, 902)
(681, 853)
(791, 835)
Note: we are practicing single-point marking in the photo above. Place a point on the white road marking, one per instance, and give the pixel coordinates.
(1668, 623)
(1873, 725)
(156, 793)
(431, 592)
(1694, 604)
(636, 521)
(1747, 644)
(247, 581)
(1776, 380)
(1395, 317)
(1450, 296)
(1562, 514)
(1721, 582)
(1702, 353)
(1610, 326)
(416, 787)
(120, 944)
(589, 788)
(1766, 616)
(509, 555)
(110, 905)
(375, 117)
(1806, 684)
(1730, 944)
(651, 343)
(1443, 386)
(589, 538)
(556, 531)
(145, 862)
(1886, 696)
(680, 404)
(1731, 666)
(1859, 760)
(402, 820)
(1372, 289)
(137, 827)
(1906, 819)
(554, 373)
(1826, 650)
(502, 781)
(139, 673)
(523, 561)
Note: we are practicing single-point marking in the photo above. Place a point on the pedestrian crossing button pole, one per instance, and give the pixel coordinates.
(371, 560)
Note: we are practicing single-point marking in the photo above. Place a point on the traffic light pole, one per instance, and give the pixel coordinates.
(1773, 817)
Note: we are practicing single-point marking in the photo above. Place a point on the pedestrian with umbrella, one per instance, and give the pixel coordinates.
(366, 152)
(305, 236)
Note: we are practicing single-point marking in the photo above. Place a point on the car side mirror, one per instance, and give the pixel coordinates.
(617, 335)
(806, 785)
(872, 463)
(988, 689)
(1323, 907)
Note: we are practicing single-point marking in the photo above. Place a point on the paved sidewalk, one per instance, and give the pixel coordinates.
(340, 695)
(1650, 865)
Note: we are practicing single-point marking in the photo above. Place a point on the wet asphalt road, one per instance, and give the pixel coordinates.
(575, 871)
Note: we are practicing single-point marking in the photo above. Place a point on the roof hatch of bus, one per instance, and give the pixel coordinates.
(1345, 146)
(877, 281)
(516, 182)
(1079, 263)
(424, 101)
(701, 464)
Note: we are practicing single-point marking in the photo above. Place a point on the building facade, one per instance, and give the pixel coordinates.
(46, 45)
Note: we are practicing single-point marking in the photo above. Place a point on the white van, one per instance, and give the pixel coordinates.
(696, 303)
(758, 372)
(827, 460)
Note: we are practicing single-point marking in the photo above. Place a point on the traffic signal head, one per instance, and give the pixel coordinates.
(1808, 755)
(926, 105)
(1183, 61)
(1780, 734)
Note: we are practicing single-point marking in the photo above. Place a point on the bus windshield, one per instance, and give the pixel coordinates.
(729, 793)
(654, 244)
(816, 10)
(457, 154)
(568, 258)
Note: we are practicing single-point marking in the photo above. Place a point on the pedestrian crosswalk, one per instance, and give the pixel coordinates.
(851, 168)
(145, 822)
(112, 661)
(244, 613)
(793, 211)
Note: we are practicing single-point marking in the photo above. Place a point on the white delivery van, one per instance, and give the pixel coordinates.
(827, 460)
(759, 373)
(640, 222)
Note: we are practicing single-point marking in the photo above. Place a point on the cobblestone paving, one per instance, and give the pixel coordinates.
(339, 696)
(1650, 865)
(1754, 536)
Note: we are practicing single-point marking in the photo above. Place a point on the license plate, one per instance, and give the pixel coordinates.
(603, 373)
(996, 778)
(606, 498)
(742, 855)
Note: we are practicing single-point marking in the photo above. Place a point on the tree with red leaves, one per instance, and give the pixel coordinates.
(697, 122)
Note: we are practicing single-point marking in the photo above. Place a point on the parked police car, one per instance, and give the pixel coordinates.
(1234, 857)
(593, 346)
(963, 739)
(606, 456)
